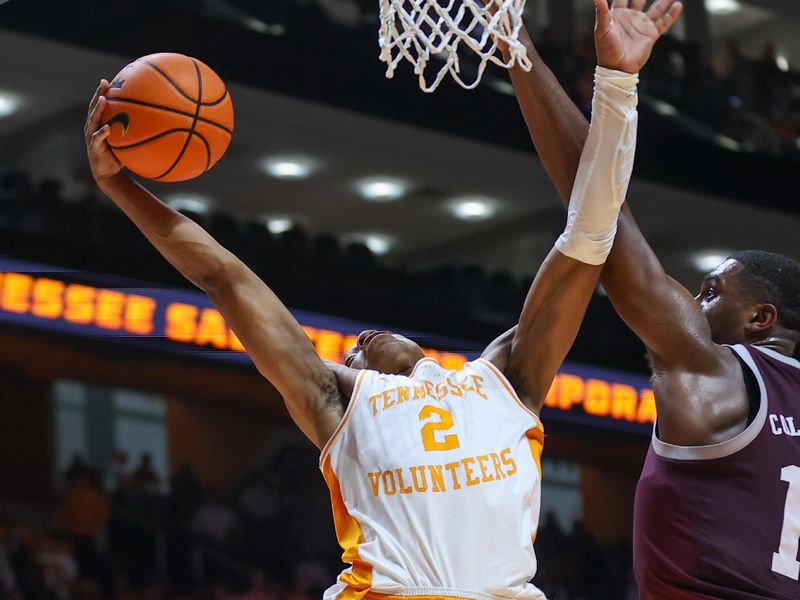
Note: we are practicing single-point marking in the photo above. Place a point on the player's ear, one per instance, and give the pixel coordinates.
(763, 318)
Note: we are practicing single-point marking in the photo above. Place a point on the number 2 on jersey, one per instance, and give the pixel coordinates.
(445, 421)
(784, 561)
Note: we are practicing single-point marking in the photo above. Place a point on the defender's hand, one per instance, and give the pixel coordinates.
(624, 36)
(102, 161)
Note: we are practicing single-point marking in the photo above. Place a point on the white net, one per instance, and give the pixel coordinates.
(434, 35)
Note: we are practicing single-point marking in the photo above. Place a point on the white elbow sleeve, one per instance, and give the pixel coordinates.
(605, 169)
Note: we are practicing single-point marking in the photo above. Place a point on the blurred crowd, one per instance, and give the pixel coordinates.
(270, 539)
(72, 223)
(754, 100)
(46, 214)
(123, 535)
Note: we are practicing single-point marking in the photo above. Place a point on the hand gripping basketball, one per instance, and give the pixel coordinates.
(171, 117)
(101, 160)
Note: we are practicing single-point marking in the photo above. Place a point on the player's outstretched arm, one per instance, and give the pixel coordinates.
(657, 308)
(274, 340)
(561, 291)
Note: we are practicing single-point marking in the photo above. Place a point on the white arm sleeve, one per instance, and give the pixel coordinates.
(605, 169)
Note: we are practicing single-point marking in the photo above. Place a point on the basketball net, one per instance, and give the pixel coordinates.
(443, 31)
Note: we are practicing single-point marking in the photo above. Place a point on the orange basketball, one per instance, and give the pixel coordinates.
(171, 117)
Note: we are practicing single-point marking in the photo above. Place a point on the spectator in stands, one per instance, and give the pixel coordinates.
(120, 478)
(81, 187)
(307, 582)
(58, 566)
(592, 572)
(86, 589)
(259, 588)
(83, 515)
(771, 90)
(731, 71)
(144, 481)
(216, 523)
(76, 468)
(186, 496)
(8, 582)
(123, 589)
(20, 556)
(186, 493)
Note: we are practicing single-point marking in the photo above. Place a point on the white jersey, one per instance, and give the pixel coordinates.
(435, 484)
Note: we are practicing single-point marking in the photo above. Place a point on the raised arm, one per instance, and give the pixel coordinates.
(699, 389)
(561, 291)
(661, 312)
(274, 340)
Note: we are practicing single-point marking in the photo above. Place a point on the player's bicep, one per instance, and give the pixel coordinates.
(549, 323)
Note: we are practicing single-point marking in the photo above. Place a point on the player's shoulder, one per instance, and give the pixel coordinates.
(769, 366)
(768, 355)
(700, 405)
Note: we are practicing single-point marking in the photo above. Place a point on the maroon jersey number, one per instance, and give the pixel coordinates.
(784, 561)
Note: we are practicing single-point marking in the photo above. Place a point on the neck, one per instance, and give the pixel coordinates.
(782, 345)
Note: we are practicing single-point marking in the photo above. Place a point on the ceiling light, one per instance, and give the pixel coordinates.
(381, 189)
(278, 225)
(289, 167)
(727, 142)
(664, 108)
(378, 243)
(195, 203)
(782, 62)
(259, 26)
(9, 104)
(473, 208)
(708, 260)
(723, 7)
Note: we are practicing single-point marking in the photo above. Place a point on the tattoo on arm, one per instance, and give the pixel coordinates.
(329, 391)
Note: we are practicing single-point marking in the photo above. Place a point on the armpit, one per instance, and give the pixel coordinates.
(330, 394)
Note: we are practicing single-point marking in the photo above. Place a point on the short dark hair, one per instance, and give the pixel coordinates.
(775, 279)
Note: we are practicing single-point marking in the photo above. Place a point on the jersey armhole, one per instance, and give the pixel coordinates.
(509, 389)
(736, 443)
(753, 391)
(345, 417)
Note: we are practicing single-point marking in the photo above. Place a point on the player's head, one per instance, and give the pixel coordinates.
(753, 295)
(383, 351)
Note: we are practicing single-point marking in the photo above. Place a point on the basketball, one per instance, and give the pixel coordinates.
(171, 117)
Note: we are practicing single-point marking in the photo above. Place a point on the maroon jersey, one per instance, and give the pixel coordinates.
(723, 521)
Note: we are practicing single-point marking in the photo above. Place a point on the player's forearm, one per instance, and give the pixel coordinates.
(559, 132)
(605, 168)
(564, 284)
(189, 248)
(557, 127)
